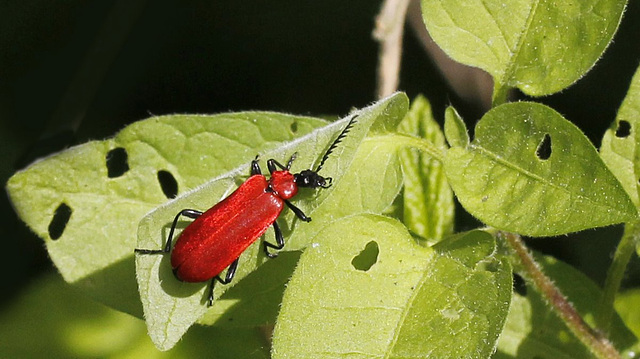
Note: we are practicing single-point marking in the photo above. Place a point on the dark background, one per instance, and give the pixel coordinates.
(72, 71)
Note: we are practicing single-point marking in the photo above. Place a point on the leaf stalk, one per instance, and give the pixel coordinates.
(423, 145)
(621, 259)
(599, 346)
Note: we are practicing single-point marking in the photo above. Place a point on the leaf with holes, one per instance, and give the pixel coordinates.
(620, 147)
(375, 169)
(540, 47)
(532, 172)
(366, 287)
(532, 322)
(86, 202)
(427, 197)
(170, 306)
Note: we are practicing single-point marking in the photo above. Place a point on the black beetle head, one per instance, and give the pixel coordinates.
(311, 179)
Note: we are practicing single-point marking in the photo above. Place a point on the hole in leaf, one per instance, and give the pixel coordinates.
(168, 183)
(489, 265)
(117, 163)
(624, 129)
(519, 285)
(367, 257)
(544, 148)
(294, 126)
(59, 221)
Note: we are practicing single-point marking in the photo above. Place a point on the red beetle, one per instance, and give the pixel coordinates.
(217, 237)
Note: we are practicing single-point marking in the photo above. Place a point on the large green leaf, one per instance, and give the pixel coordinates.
(532, 172)
(533, 331)
(366, 289)
(375, 169)
(427, 198)
(538, 46)
(170, 306)
(620, 147)
(94, 249)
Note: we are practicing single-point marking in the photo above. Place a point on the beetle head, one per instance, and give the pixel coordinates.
(311, 179)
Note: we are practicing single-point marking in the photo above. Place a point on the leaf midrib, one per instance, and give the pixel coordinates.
(407, 308)
(483, 151)
(511, 64)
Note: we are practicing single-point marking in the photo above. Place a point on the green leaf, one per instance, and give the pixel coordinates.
(170, 306)
(375, 169)
(532, 172)
(366, 289)
(620, 148)
(51, 320)
(628, 306)
(534, 331)
(428, 200)
(95, 249)
(455, 129)
(254, 301)
(540, 47)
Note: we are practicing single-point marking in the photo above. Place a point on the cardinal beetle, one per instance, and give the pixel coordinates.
(217, 237)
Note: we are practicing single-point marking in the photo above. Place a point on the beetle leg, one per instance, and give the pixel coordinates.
(255, 167)
(191, 213)
(231, 272)
(272, 164)
(279, 242)
(297, 211)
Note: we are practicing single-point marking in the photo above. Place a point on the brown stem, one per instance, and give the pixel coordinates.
(597, 344)
(388, 31)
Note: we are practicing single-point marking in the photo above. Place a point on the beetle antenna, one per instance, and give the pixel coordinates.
(335, 143)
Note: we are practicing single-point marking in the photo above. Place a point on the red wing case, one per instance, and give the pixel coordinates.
(215, 239)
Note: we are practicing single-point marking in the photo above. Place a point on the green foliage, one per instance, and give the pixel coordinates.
(505, 180)
(455, 130)
(95, 250)
(427, 198)
(531, 321)
(620, 148)
(627, 305)
(355, 283)
(52, 321)
(171, 307)
(410, 300)
(621, 143)
(540, 47)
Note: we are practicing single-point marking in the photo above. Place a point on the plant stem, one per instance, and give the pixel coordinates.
(388, 31)
(500, 95)
(423, 145)
(621, 259)
(599, 346)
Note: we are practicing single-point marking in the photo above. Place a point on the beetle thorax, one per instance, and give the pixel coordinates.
(282, 184)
